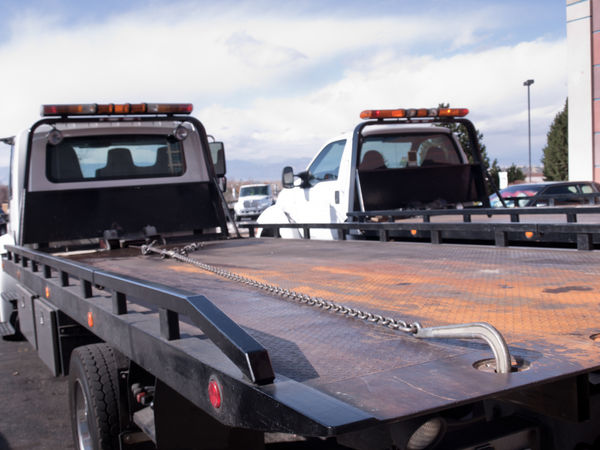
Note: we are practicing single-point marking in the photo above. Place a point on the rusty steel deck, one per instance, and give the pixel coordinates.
(546, 303)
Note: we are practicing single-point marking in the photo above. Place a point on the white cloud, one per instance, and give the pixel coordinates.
(273, 84)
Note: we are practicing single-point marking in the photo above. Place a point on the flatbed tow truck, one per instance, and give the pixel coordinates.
(174, 335)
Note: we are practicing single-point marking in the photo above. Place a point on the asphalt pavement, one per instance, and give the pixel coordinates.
(33, 403)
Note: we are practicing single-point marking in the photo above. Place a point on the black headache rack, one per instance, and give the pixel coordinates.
(183, 362)
(169, 208)
(556, 227)
(398, 188)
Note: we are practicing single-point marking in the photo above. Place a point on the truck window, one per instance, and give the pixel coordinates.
(92, 158)
(246, 191)
(326, 165)
(398, 151)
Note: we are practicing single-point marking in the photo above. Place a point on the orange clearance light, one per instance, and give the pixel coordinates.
(413, 232)
(68, 110)
(47, 291)
(453, 112)
(214, 393)
(170, 108)
(383, 113)
(90, 318)
(529, 234)
(122, 108)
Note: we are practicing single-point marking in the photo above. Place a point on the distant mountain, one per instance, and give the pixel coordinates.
(262, 170)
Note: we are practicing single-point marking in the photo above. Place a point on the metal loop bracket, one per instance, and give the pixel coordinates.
(478, 330)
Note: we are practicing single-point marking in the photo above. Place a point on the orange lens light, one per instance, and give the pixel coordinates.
(90, 318)
(68, 110)
(453, 112)
(47, 292)
(529, 234)
(383, 113)
(122, 109)
(413, 232)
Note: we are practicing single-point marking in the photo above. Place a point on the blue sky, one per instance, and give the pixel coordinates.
(276, 80)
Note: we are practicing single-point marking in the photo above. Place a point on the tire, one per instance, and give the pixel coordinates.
(94, 397)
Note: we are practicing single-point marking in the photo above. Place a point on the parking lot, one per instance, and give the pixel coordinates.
(33, 410)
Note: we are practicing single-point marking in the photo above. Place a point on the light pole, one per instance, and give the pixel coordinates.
(528, 83)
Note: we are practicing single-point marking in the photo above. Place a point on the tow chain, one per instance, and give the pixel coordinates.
(181, 254)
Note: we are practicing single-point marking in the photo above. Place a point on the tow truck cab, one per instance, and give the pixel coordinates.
(398, 159)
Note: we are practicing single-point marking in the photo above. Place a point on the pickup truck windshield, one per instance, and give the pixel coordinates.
(398, 151)
(92, 158)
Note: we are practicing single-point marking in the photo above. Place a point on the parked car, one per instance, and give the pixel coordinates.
(549, 193)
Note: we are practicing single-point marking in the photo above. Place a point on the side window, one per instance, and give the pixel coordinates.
(558, 190)
(327, 164)
(586, 188)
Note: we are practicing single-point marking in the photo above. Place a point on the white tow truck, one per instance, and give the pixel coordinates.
(409, 164)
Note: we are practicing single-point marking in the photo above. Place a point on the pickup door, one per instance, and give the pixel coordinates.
(320, 199)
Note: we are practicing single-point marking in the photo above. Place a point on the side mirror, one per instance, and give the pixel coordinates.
(287, 177)
(217, 153)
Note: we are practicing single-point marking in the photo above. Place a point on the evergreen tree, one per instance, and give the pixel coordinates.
(515, 174)
(463, 138)
(556, 151)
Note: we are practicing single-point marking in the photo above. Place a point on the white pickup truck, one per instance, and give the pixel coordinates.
(398, 161)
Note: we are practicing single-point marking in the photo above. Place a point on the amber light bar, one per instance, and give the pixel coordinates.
(91, 109)
(413, 112)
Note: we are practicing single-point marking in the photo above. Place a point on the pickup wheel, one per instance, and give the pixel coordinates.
(93, 397)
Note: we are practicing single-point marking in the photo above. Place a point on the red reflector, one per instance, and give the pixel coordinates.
(214, 393)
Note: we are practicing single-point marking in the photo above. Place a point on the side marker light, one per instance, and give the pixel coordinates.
(90, 318)
(214, 393)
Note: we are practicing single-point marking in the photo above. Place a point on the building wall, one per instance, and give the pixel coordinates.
(584, 88)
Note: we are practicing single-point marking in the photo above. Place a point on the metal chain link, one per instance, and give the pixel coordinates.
(318, 302)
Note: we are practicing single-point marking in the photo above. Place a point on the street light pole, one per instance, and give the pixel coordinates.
(528, 83)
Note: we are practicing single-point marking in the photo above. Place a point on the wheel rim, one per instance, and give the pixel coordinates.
(81, 415)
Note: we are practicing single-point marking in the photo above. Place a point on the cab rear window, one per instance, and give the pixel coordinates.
(93, 158)
(392, 151)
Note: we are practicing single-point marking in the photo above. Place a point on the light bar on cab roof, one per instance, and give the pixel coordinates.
(413, 112)
(92, 109)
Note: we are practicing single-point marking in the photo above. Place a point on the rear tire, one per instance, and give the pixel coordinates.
(93, 397)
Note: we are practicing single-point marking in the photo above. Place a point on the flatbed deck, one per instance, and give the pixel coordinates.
(544, 302)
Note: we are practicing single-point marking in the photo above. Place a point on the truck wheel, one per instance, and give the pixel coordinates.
(93, 397)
